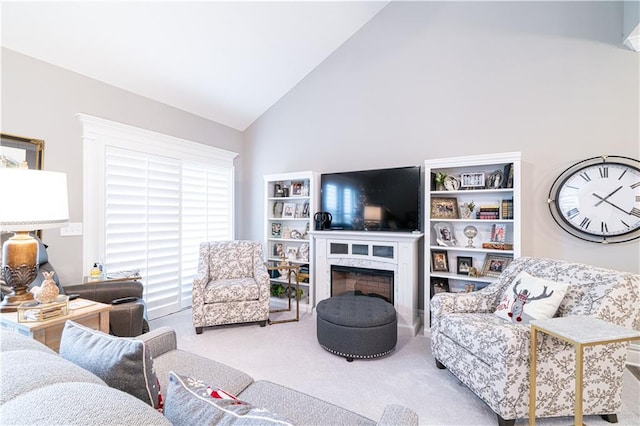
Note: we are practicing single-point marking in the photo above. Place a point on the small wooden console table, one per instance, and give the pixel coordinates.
(290, 270)
(580, 331)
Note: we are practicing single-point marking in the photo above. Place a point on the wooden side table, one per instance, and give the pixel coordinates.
(86, 312)
(291, 270)
(580, 331)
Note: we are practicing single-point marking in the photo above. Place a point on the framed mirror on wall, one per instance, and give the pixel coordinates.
(16, 151)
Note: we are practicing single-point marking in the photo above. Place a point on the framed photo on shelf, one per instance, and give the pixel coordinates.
(296, 188)
(439, 285)
(444, 208)
(292, 253)
(495, 180)
(507, 175)
(444, 234)
(289, 210)
(495, 264)
(277, 208)
(305, 209)
(465, 263)
(303, 252)
(498, 233)
(276, 229)
(472, 180)
(439, 261)
(277, 250)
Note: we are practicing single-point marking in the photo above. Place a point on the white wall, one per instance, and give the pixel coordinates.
(427, 80)
(41, 101)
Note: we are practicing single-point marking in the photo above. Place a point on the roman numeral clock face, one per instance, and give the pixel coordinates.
(599, 199)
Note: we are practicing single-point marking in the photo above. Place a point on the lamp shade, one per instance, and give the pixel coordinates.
(32, 199)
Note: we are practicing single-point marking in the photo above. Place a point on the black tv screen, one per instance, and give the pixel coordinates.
(373, 200)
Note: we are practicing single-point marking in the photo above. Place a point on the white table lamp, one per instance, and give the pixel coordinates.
(31, 200)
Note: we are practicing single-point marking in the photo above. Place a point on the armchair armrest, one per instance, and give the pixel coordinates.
(200, 282)
(106, 292)
(398, 415)
(160, 341)
(449, 303)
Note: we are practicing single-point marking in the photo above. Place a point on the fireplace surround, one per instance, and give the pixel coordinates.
(395, 253)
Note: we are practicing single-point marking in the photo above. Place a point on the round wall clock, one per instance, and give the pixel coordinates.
(598, 199)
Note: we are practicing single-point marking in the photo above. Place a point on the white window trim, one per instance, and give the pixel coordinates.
(98, 133)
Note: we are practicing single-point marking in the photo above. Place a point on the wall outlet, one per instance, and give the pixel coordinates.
(73, 229)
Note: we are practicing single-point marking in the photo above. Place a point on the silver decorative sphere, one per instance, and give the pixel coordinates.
(470, 232)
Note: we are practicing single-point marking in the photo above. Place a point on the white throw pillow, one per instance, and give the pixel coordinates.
(529, 298)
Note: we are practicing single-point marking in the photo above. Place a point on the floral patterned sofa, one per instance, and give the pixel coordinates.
(491, 355)
(232, 284)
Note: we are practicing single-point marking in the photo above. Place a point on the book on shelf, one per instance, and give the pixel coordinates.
(489, 212)
(497, 246)
(507, 209)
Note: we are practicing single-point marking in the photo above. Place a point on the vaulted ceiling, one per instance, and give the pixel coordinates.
(225, 61)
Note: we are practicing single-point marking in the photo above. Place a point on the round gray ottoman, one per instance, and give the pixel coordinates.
(357, 326)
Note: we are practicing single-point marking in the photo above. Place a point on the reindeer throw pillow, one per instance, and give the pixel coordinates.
(530, 298)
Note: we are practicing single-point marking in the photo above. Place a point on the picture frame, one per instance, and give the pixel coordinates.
(472, 180)
(464, 264)
(444, 234)
(444, 208)
(495, 264)
(292, 253)
(289, 210)
(439, 261)
(277, 249)
(296, 188)
(439, 285)
(276, 229)
(303, 252)
(305, 209)
(495, 180)
(498, 232)
(451, 183)
(507, 174)
(16, 151)
(278, 207)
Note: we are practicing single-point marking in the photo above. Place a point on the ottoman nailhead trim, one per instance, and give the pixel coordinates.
(358, 356)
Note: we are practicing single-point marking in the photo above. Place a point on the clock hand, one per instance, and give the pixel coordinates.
(605, 198)
(609, 202)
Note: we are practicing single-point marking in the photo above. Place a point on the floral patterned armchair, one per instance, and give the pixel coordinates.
(491, 355)
(232, 284)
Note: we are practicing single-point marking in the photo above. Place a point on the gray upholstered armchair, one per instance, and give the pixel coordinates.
(232, 284)
(491, 355)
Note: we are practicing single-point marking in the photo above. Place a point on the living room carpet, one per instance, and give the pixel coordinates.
(290, 355)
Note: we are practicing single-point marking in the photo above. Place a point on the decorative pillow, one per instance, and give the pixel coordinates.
(123, 363)
(529, 298)
(191, 401)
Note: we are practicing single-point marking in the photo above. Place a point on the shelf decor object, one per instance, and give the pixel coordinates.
(38, 202)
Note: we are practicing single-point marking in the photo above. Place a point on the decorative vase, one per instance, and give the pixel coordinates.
(470, 232)
(48, 291)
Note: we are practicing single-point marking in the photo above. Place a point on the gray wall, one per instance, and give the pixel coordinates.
(429, 80)
(41, 101)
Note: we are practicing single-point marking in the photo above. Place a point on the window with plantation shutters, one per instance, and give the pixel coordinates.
(155, 198)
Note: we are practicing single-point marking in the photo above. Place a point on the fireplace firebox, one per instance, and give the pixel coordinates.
(367, 282)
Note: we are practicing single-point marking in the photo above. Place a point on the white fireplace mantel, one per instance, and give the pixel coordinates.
(389, 251)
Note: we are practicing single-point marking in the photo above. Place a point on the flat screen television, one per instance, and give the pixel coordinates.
(373, 200)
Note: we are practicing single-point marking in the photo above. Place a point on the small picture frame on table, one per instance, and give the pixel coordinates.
(439, 261)
(464, 264)
(444, 208)
(472, 180)
(439, 285)
(289, 210)
(495, 264)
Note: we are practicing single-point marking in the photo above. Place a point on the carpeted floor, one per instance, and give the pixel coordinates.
(289, 354)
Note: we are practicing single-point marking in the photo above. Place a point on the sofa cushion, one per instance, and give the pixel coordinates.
(22, 371)
(192, 401)
(232, 290)
(528, 298)
(76, 403)
(301, 408)
(123, 363)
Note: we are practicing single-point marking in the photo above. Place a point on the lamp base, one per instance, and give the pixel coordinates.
(19, 258)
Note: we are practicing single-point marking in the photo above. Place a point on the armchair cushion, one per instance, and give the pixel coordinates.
(529, 298)
(232, 290)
